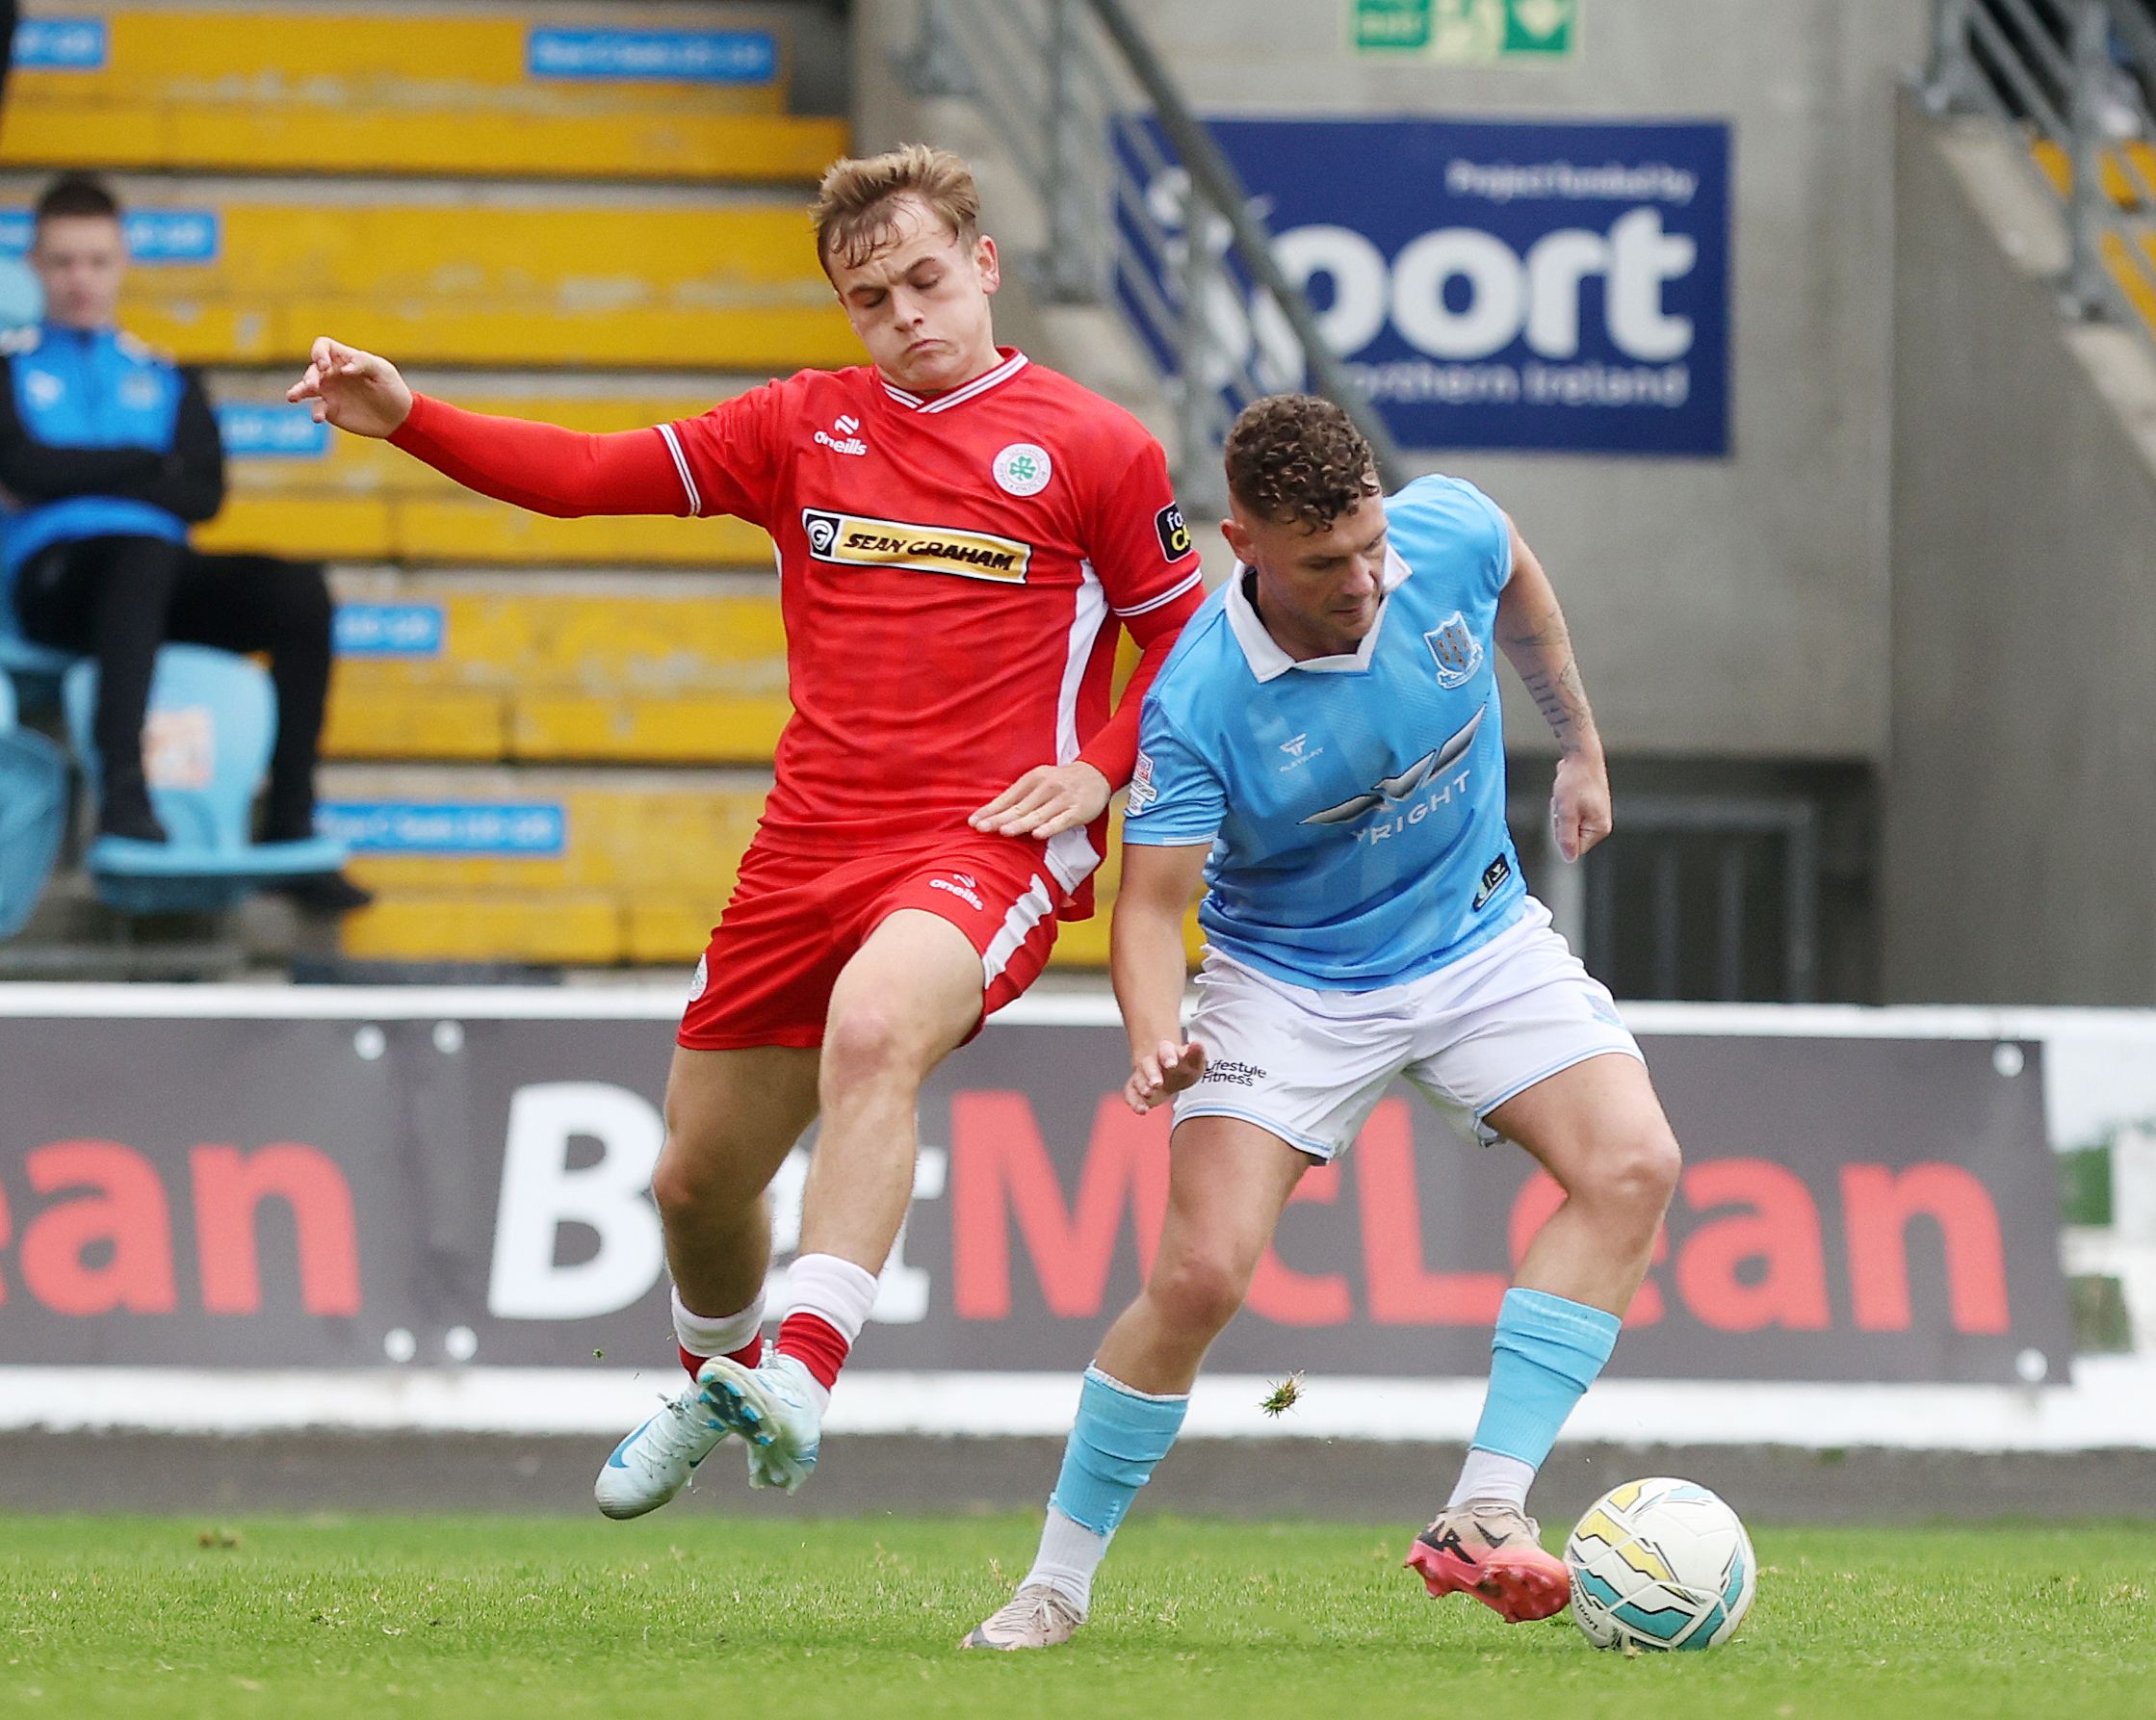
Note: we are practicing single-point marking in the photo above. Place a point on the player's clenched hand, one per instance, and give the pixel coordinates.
(1579, 809)
(1166, 1070)
(1048, 800)
(353, 390)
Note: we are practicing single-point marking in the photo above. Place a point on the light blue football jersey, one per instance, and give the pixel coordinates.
(1354, 804)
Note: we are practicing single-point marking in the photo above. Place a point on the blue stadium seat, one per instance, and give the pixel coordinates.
(211, 723)
(33, 814)
(35, 669)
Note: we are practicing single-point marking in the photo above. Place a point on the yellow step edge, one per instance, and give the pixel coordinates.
(474, 530)
(242, 327)
(366, 465)
(2136, 276)
(697, 644)
(668, 929)
(720, 148)
(401, 722)
(560, 928)
(277, 59)
(689, 840)
(646, 731)
(2129, 186)
(729, 288)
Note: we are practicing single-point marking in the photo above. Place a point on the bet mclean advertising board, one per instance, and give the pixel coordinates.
(266, 1192)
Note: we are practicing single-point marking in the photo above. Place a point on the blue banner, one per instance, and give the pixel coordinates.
(529, 830)
(389, 629)
(253, 429)
(654, 56)
(61, 45)
(1492, 284)
(154, 235)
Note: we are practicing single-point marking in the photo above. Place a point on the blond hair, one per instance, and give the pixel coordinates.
(856, 205)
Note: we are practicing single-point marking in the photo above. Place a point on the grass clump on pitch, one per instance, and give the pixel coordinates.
(690, 1612)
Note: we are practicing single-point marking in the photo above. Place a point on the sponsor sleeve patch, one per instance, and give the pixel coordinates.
(1174, 532)
(1143, 793)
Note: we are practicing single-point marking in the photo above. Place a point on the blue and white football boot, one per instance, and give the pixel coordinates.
(773, 1408)
(656, 1461)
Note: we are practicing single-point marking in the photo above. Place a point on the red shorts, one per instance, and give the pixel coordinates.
(795, 920)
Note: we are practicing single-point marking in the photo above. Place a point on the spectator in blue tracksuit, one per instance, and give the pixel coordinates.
(109, 453)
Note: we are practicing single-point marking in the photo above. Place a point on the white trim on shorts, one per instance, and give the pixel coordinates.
(1026, 912)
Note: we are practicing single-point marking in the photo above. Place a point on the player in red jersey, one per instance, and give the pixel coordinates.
(960, 533)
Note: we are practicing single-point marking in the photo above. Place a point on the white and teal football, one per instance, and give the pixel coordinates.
(1660, 1564)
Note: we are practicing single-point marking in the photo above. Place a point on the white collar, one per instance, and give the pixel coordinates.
(1268, 662)
(1013, 362)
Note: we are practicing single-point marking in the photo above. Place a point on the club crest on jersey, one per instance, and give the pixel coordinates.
(853, 541)
(1024, 469)
(1456, 650)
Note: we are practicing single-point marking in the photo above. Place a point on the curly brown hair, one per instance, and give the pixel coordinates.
(856, 204)
(1299, 457)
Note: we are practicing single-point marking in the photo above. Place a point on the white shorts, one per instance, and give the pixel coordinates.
(1310, 1065)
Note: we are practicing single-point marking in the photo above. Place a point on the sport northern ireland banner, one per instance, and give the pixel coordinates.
(1490, 284)
(361, 1192)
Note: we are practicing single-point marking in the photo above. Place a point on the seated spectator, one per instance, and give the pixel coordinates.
(109, 453)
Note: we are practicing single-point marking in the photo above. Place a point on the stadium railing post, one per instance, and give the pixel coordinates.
(936, 65)
(1199, 479)
(1948, 81)
(2085, 215)
(1070, 274)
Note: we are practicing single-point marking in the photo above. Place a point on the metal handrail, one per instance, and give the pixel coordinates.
(2046, 66)
(1074, 122)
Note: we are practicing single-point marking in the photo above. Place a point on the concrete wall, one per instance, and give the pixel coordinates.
(2020, 804)
(1725, 608)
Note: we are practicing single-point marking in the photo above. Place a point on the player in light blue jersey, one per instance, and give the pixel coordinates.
(1324, 750)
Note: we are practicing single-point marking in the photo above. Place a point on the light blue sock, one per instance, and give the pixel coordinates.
(1120, 1434)
(1546, 1353)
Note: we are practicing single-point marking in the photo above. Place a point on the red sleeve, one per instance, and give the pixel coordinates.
(1141, 548)
(1136, 537)
(729, 458)
(542, 466)
(1113, 751)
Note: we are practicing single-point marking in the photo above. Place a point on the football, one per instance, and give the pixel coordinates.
(1660, 1564)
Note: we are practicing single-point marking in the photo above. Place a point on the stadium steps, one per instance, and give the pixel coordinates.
(515, 92)
(240, 272)
(681, 669)
(2129, 172)
(591, 867)
(558, 865)
(294, 483)
(2129, 180)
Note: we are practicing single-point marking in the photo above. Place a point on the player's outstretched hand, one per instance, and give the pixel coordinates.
(1162, 1073)
(1579, 807)
(353, 390)
(1048, 800)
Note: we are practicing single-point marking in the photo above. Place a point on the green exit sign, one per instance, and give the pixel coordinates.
(1468, 32)
(1392, 26)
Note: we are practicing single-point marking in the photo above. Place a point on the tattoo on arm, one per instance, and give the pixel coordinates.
(1541, 650)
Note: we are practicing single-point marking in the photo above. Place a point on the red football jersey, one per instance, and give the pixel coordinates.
(951, 569)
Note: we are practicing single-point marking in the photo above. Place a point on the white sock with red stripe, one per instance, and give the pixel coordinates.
(827, 1303)
(736, 1336)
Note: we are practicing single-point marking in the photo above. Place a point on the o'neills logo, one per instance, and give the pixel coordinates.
(851, 541)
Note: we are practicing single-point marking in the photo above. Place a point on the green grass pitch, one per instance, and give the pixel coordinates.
(692, 1613)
